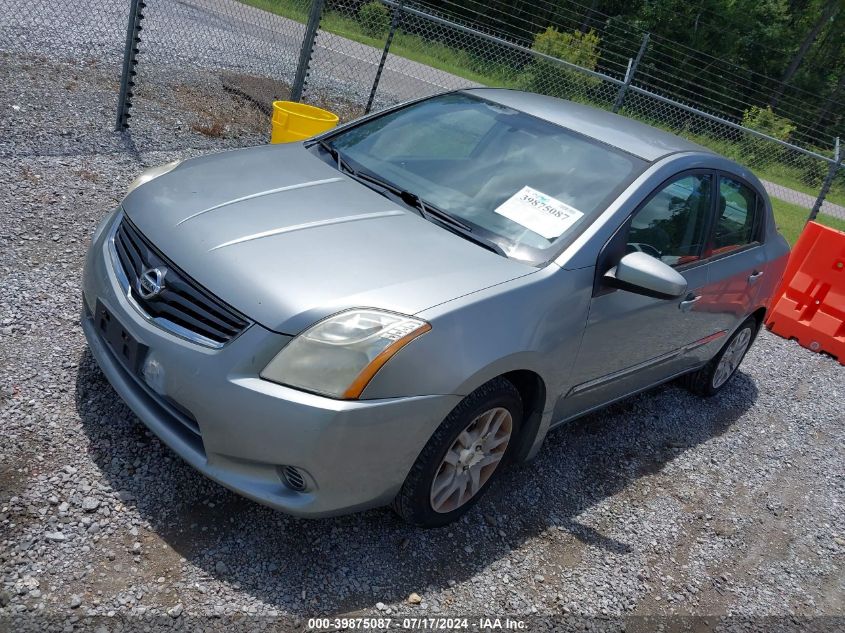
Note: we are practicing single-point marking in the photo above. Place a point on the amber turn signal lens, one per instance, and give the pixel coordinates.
(357, 387)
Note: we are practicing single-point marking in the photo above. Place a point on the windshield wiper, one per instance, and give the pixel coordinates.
(361, 177)
(425, 209)
(449, 221)
(334, 153)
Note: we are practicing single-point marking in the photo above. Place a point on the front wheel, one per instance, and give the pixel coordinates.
(462, 456)
(711, 379)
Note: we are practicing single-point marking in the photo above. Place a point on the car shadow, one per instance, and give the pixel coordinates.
(372, 556)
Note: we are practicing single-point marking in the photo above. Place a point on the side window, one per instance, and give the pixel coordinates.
(737, 217)
(671, 225)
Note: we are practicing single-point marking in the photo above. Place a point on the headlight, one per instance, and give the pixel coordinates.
(339, 356)
(153, 172)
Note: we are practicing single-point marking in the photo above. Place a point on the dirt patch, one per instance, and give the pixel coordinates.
(260, 91)
(11, 482)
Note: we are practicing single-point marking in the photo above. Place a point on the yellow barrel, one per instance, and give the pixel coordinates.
(297, 121)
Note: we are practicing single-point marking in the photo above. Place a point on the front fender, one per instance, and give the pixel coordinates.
(534, 323)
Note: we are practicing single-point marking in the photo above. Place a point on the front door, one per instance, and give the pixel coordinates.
(632, 341)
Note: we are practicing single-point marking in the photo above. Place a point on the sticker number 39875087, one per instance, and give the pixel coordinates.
(540, 213)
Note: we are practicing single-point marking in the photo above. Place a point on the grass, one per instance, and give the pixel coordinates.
(784, 175)
(459, 62)
(790, 219)
(455, 61)
(789, 176)
(285, 8)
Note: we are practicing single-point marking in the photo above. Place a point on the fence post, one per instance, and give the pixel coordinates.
(307, 50)
(394, 23)
(629, 74)
(831, 174)
(130, 52)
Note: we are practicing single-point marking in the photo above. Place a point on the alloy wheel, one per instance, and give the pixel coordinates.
(732, 357)
(471, 460)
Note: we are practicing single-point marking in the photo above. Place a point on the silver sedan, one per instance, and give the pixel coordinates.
(391, 312)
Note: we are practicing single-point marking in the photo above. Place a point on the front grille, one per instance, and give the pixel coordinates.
(182, 306)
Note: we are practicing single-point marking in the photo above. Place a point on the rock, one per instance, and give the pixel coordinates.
(5, 598)
(540, 578)
(220, 567)
(29, 583)
(724, 529)
(89, 504)
(55, 536)
(381, 606)
(175, 612)
(414, 598)
(75, 601)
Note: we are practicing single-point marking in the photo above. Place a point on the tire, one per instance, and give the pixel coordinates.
(708, 381)
(490, 404)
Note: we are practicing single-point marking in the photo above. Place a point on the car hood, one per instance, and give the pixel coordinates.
(286, 239)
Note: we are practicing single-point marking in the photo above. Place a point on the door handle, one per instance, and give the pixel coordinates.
(753, 277)
(690, 300)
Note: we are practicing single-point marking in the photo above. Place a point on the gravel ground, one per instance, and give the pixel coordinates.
(662, 505)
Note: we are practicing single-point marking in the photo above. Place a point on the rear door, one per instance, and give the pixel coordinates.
(735, 254)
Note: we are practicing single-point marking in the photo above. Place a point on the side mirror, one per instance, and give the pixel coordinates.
(646, 275)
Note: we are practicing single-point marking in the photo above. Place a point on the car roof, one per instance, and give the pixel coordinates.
(626, 134)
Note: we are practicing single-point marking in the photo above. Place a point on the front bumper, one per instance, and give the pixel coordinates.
(212, 409)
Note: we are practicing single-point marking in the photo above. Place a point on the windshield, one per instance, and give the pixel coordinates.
(523, 182)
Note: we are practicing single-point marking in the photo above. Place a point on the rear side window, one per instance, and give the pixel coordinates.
(738, 217)
(671, 226)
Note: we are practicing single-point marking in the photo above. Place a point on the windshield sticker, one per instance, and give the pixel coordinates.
(540, 213)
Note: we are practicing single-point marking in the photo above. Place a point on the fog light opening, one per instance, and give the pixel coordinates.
(294, 479)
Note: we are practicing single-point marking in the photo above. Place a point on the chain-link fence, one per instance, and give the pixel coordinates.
(59, 53)
(423, 53)
(667, 68)
(204, 73)
(194, 71)
(220, 63)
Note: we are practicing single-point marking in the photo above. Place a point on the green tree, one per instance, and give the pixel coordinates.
(374, 19)
(758, 151)
(721, 55)
(548, 77)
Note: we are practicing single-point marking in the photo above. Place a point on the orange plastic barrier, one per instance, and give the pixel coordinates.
(810, 303)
